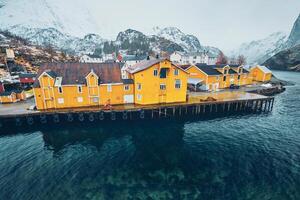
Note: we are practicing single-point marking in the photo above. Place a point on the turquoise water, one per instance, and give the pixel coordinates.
(237, 157)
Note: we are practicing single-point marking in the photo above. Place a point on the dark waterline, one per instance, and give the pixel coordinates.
(237, 157)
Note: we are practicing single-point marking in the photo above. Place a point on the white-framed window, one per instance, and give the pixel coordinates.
(162, 86)
(109, 88)
(139, 86)
(79, 88)
(218, 78)
(79, 99)
(155, 72)
(126, 87)
(176, 72)
(60, 101)
(139, 97)
(177, 84)
(95, 99)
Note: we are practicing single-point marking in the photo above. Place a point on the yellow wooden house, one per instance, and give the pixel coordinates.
(157, 81)
(233, 75)
(214, 77)
(73, 85)
(261, 73)
(8, 97)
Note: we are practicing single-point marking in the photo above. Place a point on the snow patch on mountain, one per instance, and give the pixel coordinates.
(260, 50)
(189, 43)
(68, 16)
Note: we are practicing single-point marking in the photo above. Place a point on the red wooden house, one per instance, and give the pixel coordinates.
(27, 78)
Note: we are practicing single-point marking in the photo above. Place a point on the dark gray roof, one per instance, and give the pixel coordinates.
(209, 70)
(128, 81)
(134, 57)
(6, 93)
(27, 75)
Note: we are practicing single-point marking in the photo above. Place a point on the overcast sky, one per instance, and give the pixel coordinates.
(221, 23)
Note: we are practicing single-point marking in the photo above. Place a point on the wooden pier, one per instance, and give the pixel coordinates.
(191, 110)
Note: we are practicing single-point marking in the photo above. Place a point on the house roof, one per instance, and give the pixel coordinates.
(128, 81)
(209, 70)
(75, 73)
(27, 75)
(184, 67)
(264, 69)
(6, 93)
(134, 57)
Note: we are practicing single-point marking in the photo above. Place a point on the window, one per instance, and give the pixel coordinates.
(241, 70)
(232, 76)
(176, 72)
(155, 72)
(225, 71)
(162, 87)
(109, 88)
(79, 89)
(218, 78)
(163, 73)
(60, 101)
(224, 78)
(139, 97)
(79, 99)
(126, 87)
(177, 84)
(60, 90)
(239, 77)
(139, 86)
(95, 99)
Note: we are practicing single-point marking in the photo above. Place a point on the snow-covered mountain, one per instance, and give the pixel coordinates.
(294, 37)
(189, 43)
(69, 26)
(67, 16)
(260, 50)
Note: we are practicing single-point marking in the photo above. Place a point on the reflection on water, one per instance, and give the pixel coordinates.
(237, 157)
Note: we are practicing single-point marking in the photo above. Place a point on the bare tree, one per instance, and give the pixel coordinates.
(222, 59)
(241, 60)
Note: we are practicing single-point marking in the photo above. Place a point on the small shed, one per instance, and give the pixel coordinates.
(8, 97)
(261, 73)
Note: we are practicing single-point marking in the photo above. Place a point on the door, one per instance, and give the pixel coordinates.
(128, 99)
(162, 98)
(48, 98)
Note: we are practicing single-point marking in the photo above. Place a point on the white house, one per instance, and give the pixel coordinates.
(130, 60)
(90, 59)
(192, 58)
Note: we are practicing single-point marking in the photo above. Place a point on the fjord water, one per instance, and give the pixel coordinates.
(253, 156)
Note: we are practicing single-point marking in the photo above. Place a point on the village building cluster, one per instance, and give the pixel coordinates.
(123, 79)
(14, 80)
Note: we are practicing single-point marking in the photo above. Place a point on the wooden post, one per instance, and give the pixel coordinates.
(228, 108)
(236, 106)
(180, 110)
(204, 108)
(186, 110)
(224, 107)
(255, 106)
(174, 111)
(216, 107)
(152, 113)
(165, 112)
(210, 108)
(266, 105)
(159, 112)
(272, 104)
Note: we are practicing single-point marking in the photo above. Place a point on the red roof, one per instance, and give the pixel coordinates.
(75, 73)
